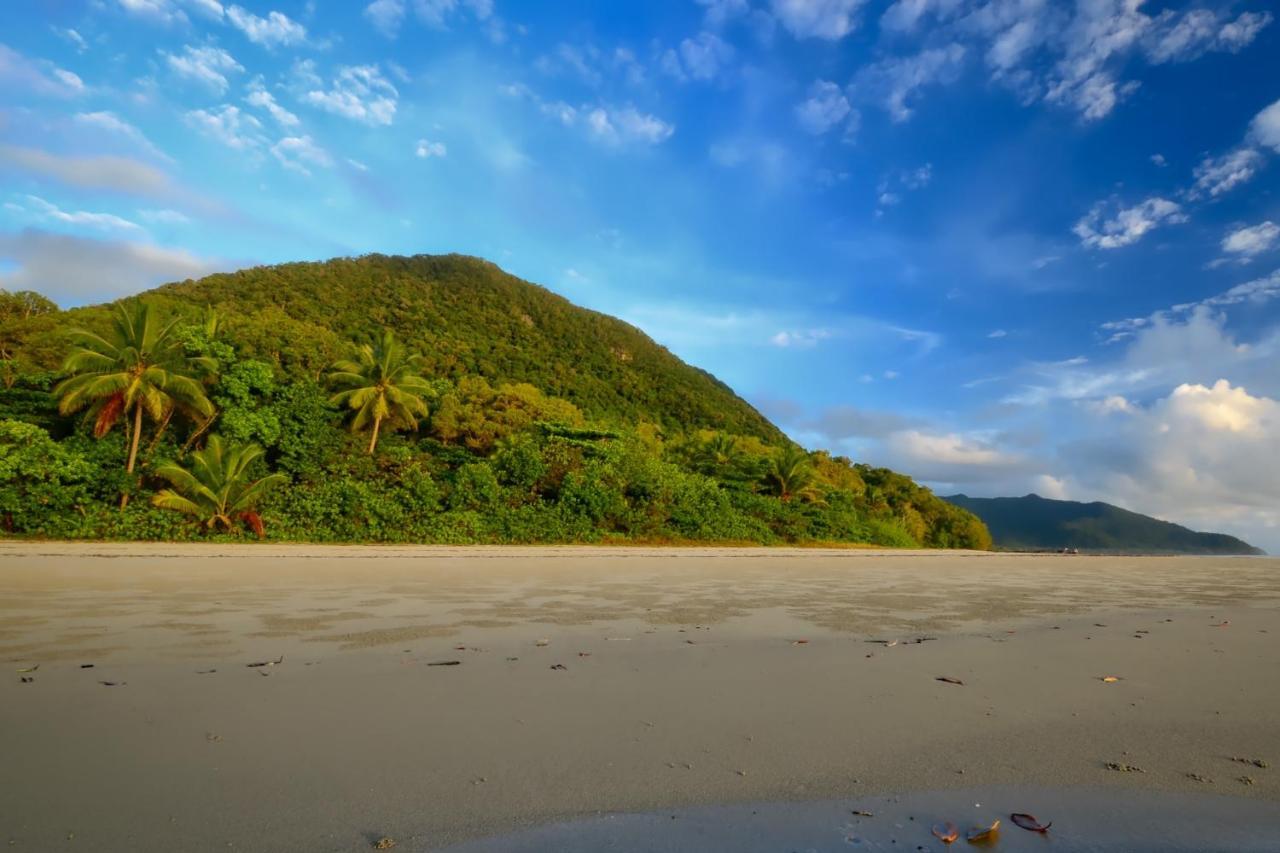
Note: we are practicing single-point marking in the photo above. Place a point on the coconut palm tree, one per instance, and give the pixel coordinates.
(380, 385)
(217, 489)
(789, 473)
(138, 368)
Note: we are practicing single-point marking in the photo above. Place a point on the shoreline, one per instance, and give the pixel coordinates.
(690, 679)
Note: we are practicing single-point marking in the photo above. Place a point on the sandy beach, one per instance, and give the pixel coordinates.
(595, 681)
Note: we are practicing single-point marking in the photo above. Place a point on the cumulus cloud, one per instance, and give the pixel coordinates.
(825, 107)
(824, 19)
(616, 126)
(208, 66)
(296, 153)
(157, 11)
(1182, 38)
(1217, 175)
(427, 149)
(720, 12)
(894, 81)
(1265, 128)
(802, 338)
(75, 270)
(360, 93)
(386, 16)
(229, 125)
(1252, 240)
(700, 58)
(23, 74)
(262, 99)
(277, 29)
(1107, 226)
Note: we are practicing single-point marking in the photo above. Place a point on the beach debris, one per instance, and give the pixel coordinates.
(113, 683)
(691, 642)
(1256, 762)
(1196, 777)
(513, 659)
(543, 642)
(1099, 625)
(918, 640)
(384, 843)
(558, 666)
(946, 832)
(30, 668)
(275, 662)
(859, 812)
(26, 679)
(1224, 623)
(584, 654)
(86, 666)
(983, 833)
(799, 642)
(1121, 767)
(445, 663)
(946, 679)
(1110, 679)
(744, 773)
(888, 644)
(213, 738)
(205, 671)
(617, 639)
(1246, 780)
(1029, 822)
(264, 673)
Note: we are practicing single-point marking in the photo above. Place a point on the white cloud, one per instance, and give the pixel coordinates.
(1265, 128)
(206, 65)
(1183, 38)
(905, 15)
(997, 333)
(721, 12)
(209, 8)
(112, 123)
(104, 221)
(159, 11)
(74, 37)
(893, 81)
(262, 99)
(360, 93)
(74, 270)
(623, 125)
(229, 125)
(386, 16)
(1217, 175)
(277, 29)
(19, 73)
(435, 13)
(700, 58)
(1252, 240)
(802, 338)
(297, 152)
(825, 107)
(825, 19)
(1159, 160)
(1107, 226)
(427, 149)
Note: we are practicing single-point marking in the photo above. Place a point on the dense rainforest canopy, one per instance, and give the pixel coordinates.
(427, 398)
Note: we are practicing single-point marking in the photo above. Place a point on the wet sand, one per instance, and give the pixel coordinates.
(685, 685)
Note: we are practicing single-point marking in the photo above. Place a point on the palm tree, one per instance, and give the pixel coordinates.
(380, 384)
(139, 368)
(789, 473)
(217, 489)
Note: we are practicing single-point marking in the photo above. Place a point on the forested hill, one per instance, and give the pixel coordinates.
(422, 399)
(1034, 523)
(467, 317)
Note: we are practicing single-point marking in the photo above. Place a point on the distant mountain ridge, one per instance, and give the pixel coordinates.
(1035, 523)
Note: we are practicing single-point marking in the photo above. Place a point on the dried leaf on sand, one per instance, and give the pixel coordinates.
(1027, 821)
(946, 832)
(984, 833)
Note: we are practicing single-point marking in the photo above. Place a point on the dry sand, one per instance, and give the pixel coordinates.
(685, 685)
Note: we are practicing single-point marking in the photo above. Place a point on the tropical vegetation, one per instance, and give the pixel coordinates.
(386, 399)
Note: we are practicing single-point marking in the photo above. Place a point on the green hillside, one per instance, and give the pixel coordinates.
(1036, 523)
(432, 399)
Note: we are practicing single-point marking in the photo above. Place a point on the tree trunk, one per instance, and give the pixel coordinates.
(373, 439)
(133, 448)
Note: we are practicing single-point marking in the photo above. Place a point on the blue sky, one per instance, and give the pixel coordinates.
(1001, 245)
